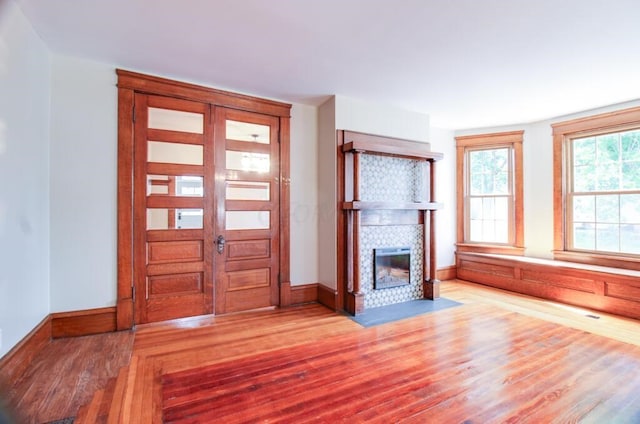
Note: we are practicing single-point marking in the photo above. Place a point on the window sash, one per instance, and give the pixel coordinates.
(477, 229)
(596, 231)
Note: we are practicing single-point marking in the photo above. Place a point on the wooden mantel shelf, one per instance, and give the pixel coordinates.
(400, 148)
(363, 205)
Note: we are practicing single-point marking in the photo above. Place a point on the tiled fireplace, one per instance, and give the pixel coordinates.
(388, 202)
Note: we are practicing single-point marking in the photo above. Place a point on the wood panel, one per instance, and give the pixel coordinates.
(249, 249)
(174, 251)
(248, 279)
(604, 289)
(623, 289)
(83, 323)
(167, 285)
(568, 281)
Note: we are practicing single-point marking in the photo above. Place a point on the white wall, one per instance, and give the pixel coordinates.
(442, 140)
(356, 115)
(24, 173)
(326, 181)
(83, 184)
(304, 195)
(538, 176)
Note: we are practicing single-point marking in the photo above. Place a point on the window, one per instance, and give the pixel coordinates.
(597, 189)
(490, 193)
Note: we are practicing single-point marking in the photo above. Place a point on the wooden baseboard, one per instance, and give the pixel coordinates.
(327, 297)
(83, 323)
(17, 360)
(447, 273)
(305, 293)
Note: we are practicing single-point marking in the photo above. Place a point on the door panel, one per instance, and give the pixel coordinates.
(247, 212)
(173, 209)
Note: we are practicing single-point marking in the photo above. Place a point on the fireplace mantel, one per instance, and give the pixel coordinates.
(419, 210)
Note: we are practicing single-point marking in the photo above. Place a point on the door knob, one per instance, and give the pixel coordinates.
(220, 241)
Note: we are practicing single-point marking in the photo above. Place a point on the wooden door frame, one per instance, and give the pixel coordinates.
(130, 83)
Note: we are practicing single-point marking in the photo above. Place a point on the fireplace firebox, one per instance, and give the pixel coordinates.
(392, 267)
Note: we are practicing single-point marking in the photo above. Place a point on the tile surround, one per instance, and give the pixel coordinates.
(390, 179)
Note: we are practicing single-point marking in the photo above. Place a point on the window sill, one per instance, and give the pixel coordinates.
(498, 249)
(614, 261)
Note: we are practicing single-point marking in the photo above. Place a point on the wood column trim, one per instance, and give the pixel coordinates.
(433, 289)
(124, 309)
(285, 294)
(285, 211)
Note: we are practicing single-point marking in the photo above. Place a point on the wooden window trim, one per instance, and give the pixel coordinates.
(563, 131)
(512, 139)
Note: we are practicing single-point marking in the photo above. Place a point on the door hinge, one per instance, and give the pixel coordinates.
(133, 115)
(133, 293)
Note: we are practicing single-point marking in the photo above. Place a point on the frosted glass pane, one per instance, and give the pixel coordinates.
(245, 131)
(158, 184)
(247, 220)
(175, 185)
(246, 190)
(175, 120)
(184, 154)
(165, 219)
(158, 219)
(189, 186)
(247, 161)
(189, 218)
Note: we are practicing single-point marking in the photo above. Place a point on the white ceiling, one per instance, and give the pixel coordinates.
(467, 63)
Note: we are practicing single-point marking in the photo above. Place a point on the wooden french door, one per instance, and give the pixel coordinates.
(247, 213)
(205, 209)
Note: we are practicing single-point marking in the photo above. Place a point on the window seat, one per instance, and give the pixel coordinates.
(607, 289)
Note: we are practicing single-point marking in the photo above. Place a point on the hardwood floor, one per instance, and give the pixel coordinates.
(499, 357)
(65, 375)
